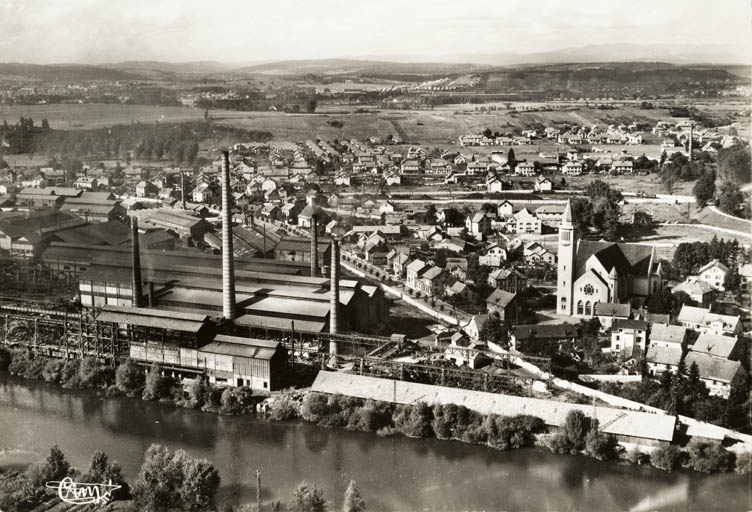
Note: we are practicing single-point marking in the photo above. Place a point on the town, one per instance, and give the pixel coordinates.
(457, 243)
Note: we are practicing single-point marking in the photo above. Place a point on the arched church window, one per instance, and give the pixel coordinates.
(588, 310)
(579, 307)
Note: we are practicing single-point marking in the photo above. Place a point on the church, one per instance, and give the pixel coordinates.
(592, 272)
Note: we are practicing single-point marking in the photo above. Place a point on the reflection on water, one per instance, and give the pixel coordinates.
(393, 473)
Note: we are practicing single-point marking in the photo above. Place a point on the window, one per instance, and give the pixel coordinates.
(579, 307)
(588, 310)
(617, 337)
(266, 384)
(588, 290)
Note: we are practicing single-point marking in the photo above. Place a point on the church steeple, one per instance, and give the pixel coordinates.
(566, 270)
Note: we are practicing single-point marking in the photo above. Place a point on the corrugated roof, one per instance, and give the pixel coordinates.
(241, 347)
(615, 421)
(279, 323)
(177, 321)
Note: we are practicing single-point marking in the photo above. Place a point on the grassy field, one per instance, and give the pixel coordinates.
(650, 184)
(79, 117)
(666, 238)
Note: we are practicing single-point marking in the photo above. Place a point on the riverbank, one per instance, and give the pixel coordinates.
(444, 422)
(393, 473)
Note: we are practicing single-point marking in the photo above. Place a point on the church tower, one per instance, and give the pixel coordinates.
(565, 274)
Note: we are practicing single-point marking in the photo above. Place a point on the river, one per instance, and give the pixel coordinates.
(396, 473)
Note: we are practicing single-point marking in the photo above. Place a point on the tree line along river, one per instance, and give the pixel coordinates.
(395, 473)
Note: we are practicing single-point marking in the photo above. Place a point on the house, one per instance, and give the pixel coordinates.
(202, 193)
(410, 166)
(543, 184)
(462, 291)
(535, 254)
(474, 326)
(525, 169)
(661, 359)
(415, 270)
(608, 313)
(432, 281)
(503, 303)
(494, 256)
(508, 279)
(478, 225)
(550, 214)
(527, 223)
(720, 375)
(306, 215)
(623, 166)
(724, 347)
(698, 290)
(664, 335)
(145, 189)
(626, 335)
(86, 183)
(505, 209)
(572, 168)
(714, 274)
(542, 339)
(494, 184)
(399, 262)
(702, 320)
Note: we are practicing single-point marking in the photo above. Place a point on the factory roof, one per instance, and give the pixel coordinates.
(146, 317)
(241, 347)
(615, 421)
(291, 306)
(280, 323)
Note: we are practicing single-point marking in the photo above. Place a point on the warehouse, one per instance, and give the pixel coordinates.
(235, 361)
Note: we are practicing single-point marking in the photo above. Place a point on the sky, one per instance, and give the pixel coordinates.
(100, 31)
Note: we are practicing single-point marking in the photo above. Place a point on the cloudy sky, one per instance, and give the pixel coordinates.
(96, 31)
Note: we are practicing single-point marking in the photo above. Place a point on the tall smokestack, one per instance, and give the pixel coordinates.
(691, 136)
(314, 246)
(182, 188)
(334, 300)
(228, 271)
(137, 291)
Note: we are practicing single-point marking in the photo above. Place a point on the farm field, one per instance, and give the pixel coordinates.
(89, 116)
(650, 184)
(666, 238)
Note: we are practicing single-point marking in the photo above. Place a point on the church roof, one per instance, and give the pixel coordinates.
(567, 216)
(626, 258)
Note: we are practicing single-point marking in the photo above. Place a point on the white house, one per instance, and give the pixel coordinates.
(714, 273)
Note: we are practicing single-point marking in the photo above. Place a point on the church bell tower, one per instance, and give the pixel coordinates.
(565, 273)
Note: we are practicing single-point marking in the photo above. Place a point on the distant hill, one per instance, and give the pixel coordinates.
(615, 52)
(356, 66)
(197, 67)
(61, 72)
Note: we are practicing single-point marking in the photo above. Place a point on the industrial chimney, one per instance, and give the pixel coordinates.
(334, 300)
(314, 246)
(691, 136)
(228, 271)
(137, 291)
(182, 188)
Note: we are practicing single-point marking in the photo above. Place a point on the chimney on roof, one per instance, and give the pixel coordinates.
(334, 298)
(228, 270)
(137, 291)
(314, 246)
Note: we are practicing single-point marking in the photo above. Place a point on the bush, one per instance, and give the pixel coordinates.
(413, 420)
(285, 407)
(5, 359)
(599, 445)
(53, 370)
(112, 391)
(708, 457)
(370, 417)
(635, 456)
(307, 498)
(129, 377)
(743, 463)
(576, 427)
(175, 481)
(666, 457)
(559, 443)
(69, 374)
(507, 432)
(315, 406)
(156, 386)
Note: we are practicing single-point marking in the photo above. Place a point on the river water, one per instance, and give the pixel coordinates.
(393, 474)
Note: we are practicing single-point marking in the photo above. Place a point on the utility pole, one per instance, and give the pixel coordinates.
(258, 490)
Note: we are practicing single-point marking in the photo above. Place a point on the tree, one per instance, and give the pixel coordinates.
(488, 133)
(733, 280)
(511, 160)
(666, 457)
(307, 498)
(175, 481)
(57, 467)
(576, 426)
(354, 502)
(730, 198)
(734, 164)
(310, 105)
(156, 386)
(704, 189)
(493, 329)
(129, 377)
(101, 470)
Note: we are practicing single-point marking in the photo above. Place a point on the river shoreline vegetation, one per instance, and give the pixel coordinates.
(167, 481)
(579, 435)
